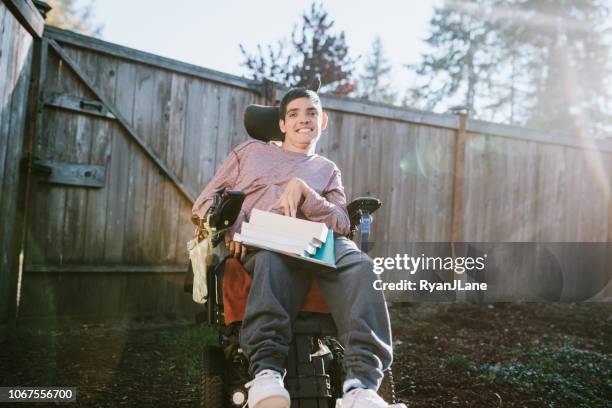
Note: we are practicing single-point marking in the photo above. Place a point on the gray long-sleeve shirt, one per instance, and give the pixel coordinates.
(262, 171)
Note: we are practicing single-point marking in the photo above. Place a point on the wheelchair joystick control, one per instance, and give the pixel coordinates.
(364, 230)
(360, 213)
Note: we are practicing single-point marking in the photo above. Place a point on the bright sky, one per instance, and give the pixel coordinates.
(208, 33)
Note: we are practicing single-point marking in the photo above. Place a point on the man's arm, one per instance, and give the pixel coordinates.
(329, 208)
(225, 178)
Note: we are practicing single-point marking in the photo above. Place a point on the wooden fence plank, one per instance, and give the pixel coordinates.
(388, 141)
(323, 143)
(243, 100)
(550, 209)
(175, 146)
(197, 137)
(196, 140)
(8, 32)
(334, 137)
(209, 130)
(233, 120)
(118, 175)
(158, 118)
(588, 181)
(78, 137)
(435, 184)
(223, 139)
(39, 193)
(458, 180)
(102, 72)
(393, 153)
(139, 166)
(15, 71)
(372, 177)
(361, 164)
(347, 145)
(410, 208)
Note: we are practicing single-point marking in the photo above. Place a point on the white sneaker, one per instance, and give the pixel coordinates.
(364, 398)
(266, 390)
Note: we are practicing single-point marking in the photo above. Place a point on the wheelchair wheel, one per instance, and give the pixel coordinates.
(211, 391)
(387, 387)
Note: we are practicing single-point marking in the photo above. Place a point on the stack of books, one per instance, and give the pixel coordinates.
(302, 239)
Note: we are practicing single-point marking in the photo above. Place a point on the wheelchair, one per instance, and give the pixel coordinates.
(315, 371)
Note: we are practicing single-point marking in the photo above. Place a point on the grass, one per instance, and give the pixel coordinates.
(566, 376)
(180, 344)
(458, 362)
(509, 356)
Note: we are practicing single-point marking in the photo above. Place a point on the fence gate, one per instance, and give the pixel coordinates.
(124, 143)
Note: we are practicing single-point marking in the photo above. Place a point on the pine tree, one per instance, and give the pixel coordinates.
(374, 84)
(461, 62)
(314, 49)
(568, 62)
(540, 63)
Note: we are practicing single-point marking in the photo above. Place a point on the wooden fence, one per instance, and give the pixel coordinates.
(19, 24)
(131, 139)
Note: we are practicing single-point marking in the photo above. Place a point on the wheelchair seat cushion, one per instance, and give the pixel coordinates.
(236, 285)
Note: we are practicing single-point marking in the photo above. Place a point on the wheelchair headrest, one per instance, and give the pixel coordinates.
(261, 122)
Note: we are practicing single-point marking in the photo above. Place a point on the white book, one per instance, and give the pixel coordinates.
(291, 226)
(260, 232)
(270, 244)
(307, 240)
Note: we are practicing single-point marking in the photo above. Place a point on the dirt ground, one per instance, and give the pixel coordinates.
(503, 355)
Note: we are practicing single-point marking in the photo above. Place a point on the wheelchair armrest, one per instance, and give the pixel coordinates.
(225, 209)
(359, 206)
(222, 214)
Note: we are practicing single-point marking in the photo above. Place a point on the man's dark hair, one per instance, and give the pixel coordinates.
(295, 93)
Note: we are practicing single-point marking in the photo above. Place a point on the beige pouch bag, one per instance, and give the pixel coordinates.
(199, 254)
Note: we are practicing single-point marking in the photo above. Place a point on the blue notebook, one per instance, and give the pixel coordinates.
(325, 254)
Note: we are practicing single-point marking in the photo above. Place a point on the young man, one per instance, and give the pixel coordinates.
(294, 181)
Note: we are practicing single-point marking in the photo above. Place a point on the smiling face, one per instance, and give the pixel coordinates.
(302, 125)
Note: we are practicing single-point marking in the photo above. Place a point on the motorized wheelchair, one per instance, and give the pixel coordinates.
(315, 371)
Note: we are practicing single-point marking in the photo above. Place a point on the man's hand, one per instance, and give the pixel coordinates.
(289, 201)
(236, 249)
